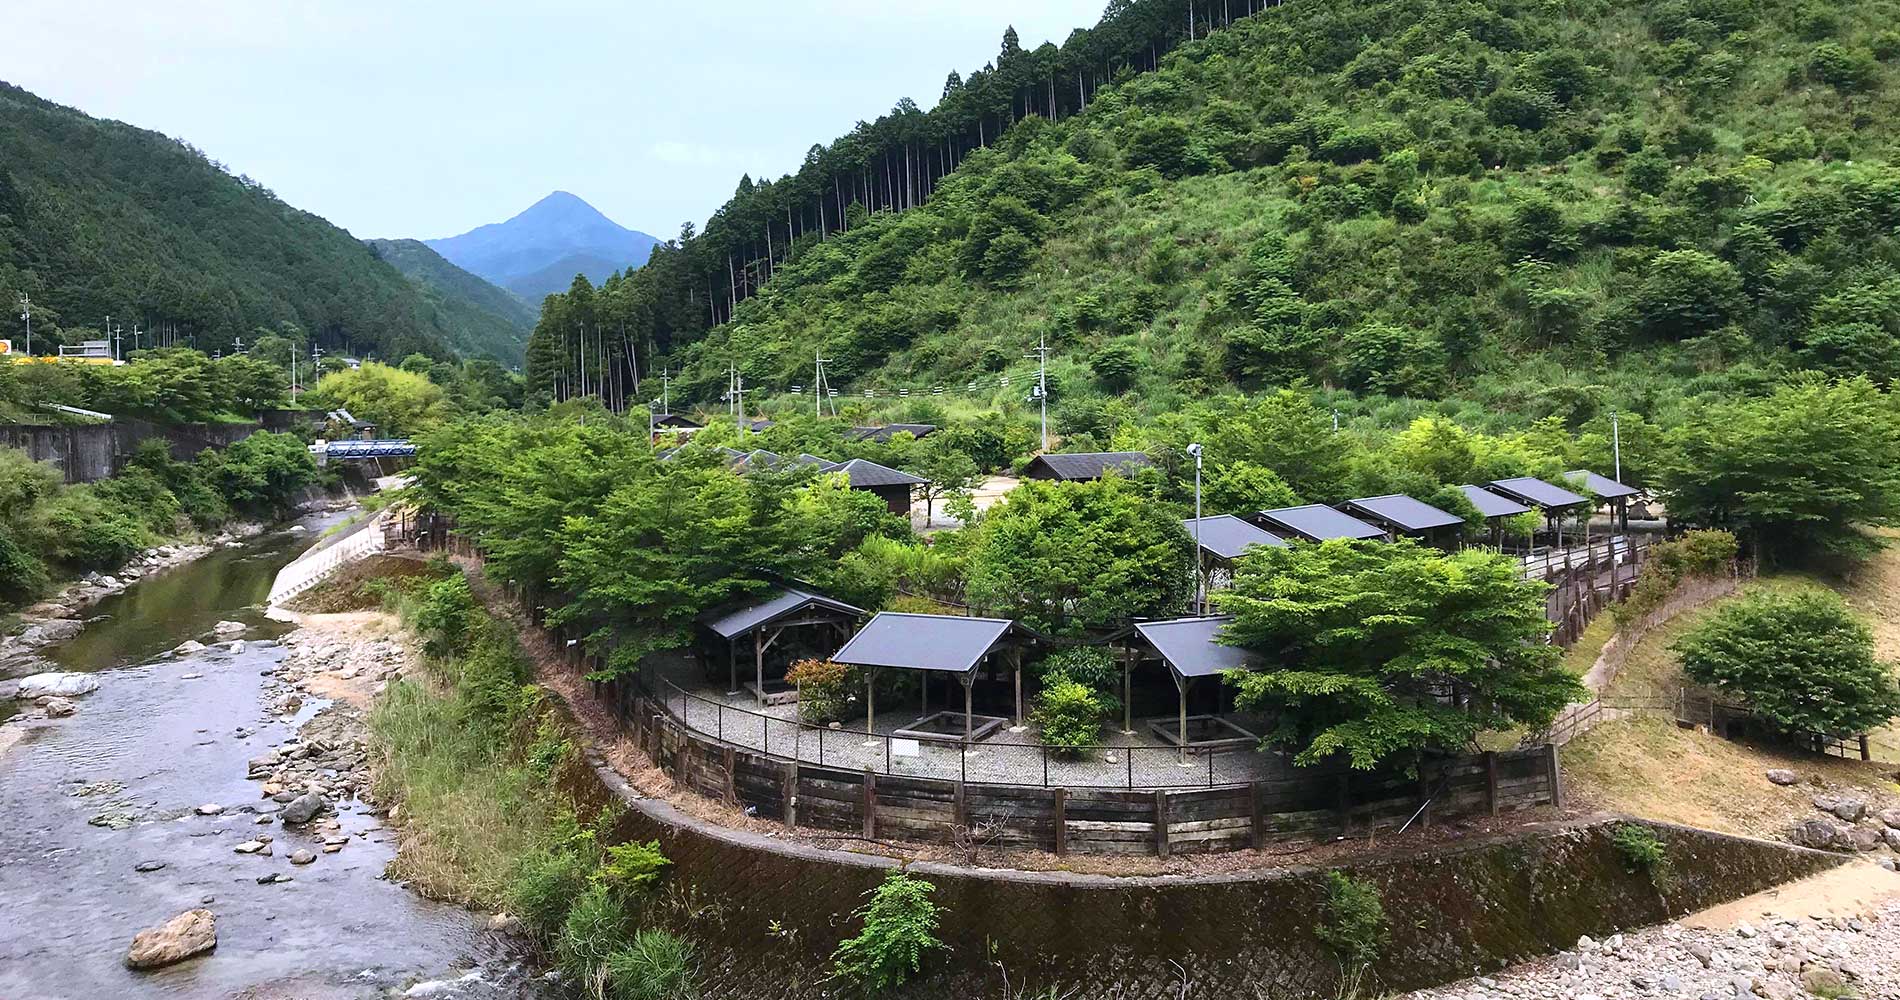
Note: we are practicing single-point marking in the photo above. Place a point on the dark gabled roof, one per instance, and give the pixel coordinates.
(760, 424)
(1537, 493)
(807, 458)
(732, 622)
(866, 474)
(1188, 646)
(1088, 465)
(1226, 536)
(757, 459)
(1403, 512)
(925, 642)
(1493, 504)
(1602, 486)
(1317, 522)
(675, 420)
(885, 433)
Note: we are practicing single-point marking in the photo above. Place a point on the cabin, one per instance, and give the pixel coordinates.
(884, 434)
(1083, 467)
(893, 486)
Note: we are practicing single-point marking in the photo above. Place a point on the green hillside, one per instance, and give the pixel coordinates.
(98, 218)
(1542, 209)
(488, 320)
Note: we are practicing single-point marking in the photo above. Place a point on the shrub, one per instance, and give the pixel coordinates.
(1069, 715)
(22, 575)
(1802, 662)
(78, 529)
(262, 473)
(824, 690)
(444, 616)
(1701, 553)
(594, 925)
(900, 928)
(1353, 927)
(1643, 853)
(656, 966)
(546, 883)
(632, 867)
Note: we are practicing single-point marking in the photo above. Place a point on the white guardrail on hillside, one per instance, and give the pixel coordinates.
(315, 566)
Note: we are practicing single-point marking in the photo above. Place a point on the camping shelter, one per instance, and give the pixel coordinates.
(765, 621)
(1222, 539)
(1084, 467)
(948, 644)
(1495, 507)
(1316, 522)
(1191, 650)
(1608, 490)
(1552, 500)
(1403, 515)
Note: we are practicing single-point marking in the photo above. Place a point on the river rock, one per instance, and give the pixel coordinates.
(49, 632)
(302, 808)
(188, 647)
(249, 847)
(1891, 817)
(1819, 834)
(210, 809)
(1848, 809)
(60, 684)
(57, 708)
(192, 932)
(302, 856)
(1862, 838)
(229, 628)
(1783, 776)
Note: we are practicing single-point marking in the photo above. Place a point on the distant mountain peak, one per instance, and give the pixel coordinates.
(541, 248)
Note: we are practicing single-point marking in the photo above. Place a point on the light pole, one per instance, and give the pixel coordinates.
(1616, 445)
(26, 314)
(1200, 572)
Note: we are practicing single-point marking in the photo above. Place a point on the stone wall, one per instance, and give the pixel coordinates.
(767, 913)
(88, 452)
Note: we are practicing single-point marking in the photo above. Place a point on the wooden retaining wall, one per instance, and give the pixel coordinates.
(1325, 802)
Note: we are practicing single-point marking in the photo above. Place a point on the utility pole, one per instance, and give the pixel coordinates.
(1042, 384)
(665, 406)
(1616, 445)
(1200, 556)
(738, 398)
(26, 314)
(293, 374)
(109, 347)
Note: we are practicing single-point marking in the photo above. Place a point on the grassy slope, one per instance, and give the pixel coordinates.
(487, 320)
(1185, 239)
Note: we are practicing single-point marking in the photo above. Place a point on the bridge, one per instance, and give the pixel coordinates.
(358, 450)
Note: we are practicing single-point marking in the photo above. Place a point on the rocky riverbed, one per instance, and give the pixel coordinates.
(209, 798)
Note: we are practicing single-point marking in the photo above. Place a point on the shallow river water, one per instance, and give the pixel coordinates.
(85, 800)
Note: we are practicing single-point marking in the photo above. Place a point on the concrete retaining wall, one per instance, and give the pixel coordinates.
(88, 452)
(767, 913)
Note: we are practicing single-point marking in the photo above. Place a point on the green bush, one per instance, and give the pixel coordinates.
(656, 966)
(79, 530)
(22, 575)
(1803, 662)
(900, 927)
(632, 867)
(591, 932)
(546, 884)
(263, 473)
(1069, 716)
(824, 690)
(444, 617)
(1644, 853)
(1353, 927)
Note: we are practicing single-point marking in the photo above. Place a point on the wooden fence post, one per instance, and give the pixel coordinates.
(788, 790)
(1257, 796)
(1161, 822)
(1865, 751)
(1491, 780)
(1556, 775)
(730, 759)
(961, 806)
(870, 804)
(1062, 821)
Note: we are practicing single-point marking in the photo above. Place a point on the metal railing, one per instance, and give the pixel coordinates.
(1143, 768)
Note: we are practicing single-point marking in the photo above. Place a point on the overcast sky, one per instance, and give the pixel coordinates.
(427, 118)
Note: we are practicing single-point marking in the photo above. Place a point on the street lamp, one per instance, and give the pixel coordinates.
(1200, 573)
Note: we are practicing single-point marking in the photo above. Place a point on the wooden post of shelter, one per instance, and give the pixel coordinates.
(1181, 686)
(968, 678)
(870, 705)
(1491, 780)
(1128, 700)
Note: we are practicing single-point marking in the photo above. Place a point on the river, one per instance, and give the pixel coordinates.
(88, 800)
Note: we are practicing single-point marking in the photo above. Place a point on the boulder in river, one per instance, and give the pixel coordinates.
(57, 708)
(188, 647)
(64, 684)
(192, 932)
(302, 808)
(302, 856)
(228, 627)
(48, 632)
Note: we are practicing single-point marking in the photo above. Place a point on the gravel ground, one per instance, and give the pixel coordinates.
(1775, 956)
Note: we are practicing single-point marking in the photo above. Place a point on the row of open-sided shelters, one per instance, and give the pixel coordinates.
(893, 486)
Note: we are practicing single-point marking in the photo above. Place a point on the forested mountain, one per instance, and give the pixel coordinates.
(540, 251)
(1547, 209)
(98, 218)
(488, 320)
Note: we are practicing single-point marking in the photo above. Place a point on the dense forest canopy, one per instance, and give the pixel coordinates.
(99, 219)
(1541, 210)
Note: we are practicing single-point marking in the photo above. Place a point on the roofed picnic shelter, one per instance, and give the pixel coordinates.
(1495, 507)
(1223, 539)
(1607, 490)
(765, 622)
(1192, 651)
(1315, 522)
(1551, 499)
(949, 644)
(1403, 515)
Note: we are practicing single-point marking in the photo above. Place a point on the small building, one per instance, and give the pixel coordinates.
(1222, 539)
(1316, 522)
(1404, 515)
(883, 435)
(949, 644)
(764, 621)
(676, 422)
(1191, 649)
(893, 486)
(1086, 466)
(760, 425)
(1495, 507)
(1615, 495)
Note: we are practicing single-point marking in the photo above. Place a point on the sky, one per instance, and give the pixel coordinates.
(420, 118)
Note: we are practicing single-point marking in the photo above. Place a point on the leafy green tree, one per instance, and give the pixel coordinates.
(900, 930)
(950, 473)
(1386, 651)
(1285, 432)
(1242, 488)
(1687, 293)
(400, 403)
(1804, 662)
(1801, 470)
(263, 472)
(1059, 556)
